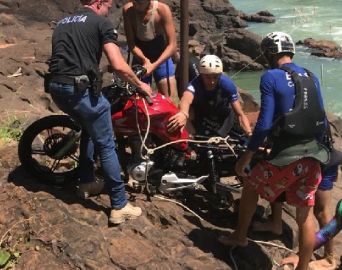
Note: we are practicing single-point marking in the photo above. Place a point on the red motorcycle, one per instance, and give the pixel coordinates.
(149, 155)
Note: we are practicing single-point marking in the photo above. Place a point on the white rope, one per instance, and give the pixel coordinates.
(150, 151)
(143, 140)
(246, 66)
(178, 203)
(272, 245)
(226, 229)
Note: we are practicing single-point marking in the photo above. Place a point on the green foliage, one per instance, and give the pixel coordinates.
(4, 257)
(11, 130)
(8, 259)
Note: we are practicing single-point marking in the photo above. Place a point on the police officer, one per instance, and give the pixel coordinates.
(77, 45)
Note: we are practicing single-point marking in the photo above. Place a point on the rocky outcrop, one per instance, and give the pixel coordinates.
(247, 43)
(261, 16)
(25, 44)
(322, 48)
(214, 24)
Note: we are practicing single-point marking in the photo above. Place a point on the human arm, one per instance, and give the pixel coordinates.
(229, 90)
(263, 125)
(267, 111)
(119, 65)
(178, 120)
(243, 120)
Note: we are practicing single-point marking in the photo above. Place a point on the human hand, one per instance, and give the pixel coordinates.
(241, 166)
(146, 88)
(177, 121)
(149, 67)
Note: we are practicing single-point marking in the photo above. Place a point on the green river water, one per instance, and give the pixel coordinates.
(301, 19)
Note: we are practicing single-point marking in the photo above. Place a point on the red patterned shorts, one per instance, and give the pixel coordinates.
(299, 180)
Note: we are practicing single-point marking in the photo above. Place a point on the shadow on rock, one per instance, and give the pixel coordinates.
(235, 257)
(65, 193)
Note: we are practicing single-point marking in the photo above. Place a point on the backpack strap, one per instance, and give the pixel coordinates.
(295, 78)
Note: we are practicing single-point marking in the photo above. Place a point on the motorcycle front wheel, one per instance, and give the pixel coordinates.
(49, 149)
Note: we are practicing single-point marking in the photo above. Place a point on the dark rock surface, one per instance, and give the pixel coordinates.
(51, 228)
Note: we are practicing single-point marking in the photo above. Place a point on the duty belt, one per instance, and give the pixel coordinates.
(63, 79)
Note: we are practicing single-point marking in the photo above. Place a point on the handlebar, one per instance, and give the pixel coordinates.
(140, 71)
(129, 89)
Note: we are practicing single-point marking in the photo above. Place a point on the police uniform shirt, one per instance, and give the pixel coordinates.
(78, 40)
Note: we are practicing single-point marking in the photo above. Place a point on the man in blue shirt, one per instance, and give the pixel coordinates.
(213, 99)
(293, 165)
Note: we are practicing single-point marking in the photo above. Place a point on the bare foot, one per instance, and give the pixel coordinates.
(323, 264)
(231, 240)
(268, 226)
(291, 260)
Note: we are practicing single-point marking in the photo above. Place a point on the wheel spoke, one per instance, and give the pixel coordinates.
(49, 132)
(36, 151)
(55, 165)
(74, 157)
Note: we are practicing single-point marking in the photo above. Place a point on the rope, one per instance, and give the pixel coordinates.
(246, 66)
(226, 229)
(178, 203)
(150, 151)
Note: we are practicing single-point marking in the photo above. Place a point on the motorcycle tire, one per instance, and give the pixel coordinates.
(38, 144)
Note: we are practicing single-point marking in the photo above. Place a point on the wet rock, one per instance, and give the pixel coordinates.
(261, 16)
(246, 43)
(249, 103)
(219, 7)
(322, 48)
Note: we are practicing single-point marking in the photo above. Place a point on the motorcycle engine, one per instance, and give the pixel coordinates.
(139, 171)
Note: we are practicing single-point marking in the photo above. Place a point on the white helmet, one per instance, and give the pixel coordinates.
(210, 64)
(277, 42)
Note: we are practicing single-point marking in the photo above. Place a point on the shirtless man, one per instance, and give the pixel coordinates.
(151, 37)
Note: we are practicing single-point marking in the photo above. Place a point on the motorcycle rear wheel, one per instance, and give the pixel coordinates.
(39, 144)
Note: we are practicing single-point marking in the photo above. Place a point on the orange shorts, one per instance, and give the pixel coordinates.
(299, 180)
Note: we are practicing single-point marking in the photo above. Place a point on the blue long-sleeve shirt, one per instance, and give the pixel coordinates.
(277, 97)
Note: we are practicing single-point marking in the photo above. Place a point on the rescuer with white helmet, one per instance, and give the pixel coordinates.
(210, 102)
